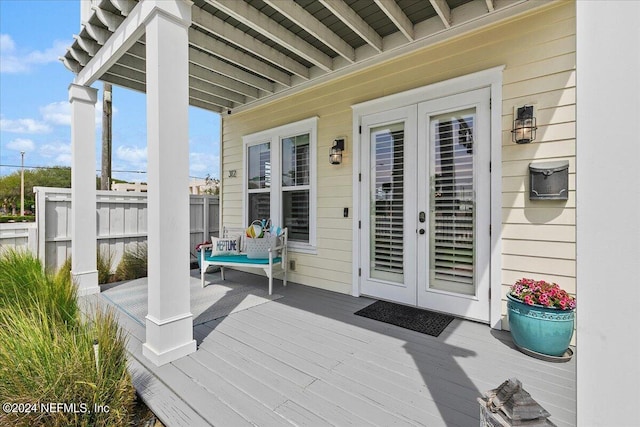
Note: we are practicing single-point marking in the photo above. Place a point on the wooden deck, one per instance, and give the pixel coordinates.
(306, 359)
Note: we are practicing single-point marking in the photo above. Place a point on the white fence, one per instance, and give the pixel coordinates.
(19, 235)
(121, 223)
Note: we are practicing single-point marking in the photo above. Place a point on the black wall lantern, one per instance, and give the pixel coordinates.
(335, 155)
(524, 126)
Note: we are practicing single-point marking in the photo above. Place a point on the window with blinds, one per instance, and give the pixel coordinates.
(295, 186)
(387, 203)
(258, 182)
(452, 202)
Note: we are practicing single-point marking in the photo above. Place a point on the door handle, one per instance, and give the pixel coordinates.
(422, 217)
(421, 231)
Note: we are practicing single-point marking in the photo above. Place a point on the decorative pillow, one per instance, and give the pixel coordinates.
(225, 246)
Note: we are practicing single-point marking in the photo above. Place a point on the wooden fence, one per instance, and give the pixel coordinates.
(121, 224)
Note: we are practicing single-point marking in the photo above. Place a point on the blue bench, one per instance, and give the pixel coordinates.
(277, 257)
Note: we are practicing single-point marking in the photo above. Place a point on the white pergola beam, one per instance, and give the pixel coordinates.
(100, 35)
(304, 19)
(71, 64)
(90, 46)
(110, 20)
(253, 18)
(350, 18)
(241, 39)
(235, 56)
(397, 16)
(444, 11)
(79, 55)
(124, 6)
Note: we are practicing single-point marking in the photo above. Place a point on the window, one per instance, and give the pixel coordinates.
(280, 184)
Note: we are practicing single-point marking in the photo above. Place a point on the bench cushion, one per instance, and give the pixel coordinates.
(241, 259)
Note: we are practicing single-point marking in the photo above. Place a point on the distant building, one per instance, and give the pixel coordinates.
(196, 186)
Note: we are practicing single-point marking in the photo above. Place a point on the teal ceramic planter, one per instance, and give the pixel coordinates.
(540, 329)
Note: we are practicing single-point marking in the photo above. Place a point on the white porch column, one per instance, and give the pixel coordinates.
(169, 326)
(83, 188)
(607, 204)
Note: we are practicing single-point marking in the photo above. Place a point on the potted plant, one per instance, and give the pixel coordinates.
(541, 317)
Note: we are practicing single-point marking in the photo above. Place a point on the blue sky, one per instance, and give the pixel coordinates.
(34, 107)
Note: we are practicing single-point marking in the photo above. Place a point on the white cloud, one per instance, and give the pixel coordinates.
(21, 144)
(134, 157)
(29, 126)
(59, 151)
(201, 164)
(14, 60)
(57, 113)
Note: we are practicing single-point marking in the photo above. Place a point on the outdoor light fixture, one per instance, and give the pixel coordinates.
(524, 126)
(335, 155)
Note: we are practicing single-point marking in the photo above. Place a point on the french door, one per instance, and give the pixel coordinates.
(425, 199)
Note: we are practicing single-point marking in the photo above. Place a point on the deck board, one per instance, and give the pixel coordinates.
(307, 360)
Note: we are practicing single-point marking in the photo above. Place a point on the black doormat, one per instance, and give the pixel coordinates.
(425, 321)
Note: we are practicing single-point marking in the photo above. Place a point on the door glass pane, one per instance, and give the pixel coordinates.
(387, 203)
(452, 216)
(259, 160)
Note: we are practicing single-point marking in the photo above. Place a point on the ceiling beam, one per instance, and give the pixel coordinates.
(124, 82)
(207, 87)
(443, 10)
(397, 16)
(351, 19)
(224, 82)
(311, 25)
(235, 56)
(195, 93)
(253, 18)
(214, 64)
(228, 32)
(205, 105)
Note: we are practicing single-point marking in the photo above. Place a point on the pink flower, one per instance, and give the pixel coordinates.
(542, 293)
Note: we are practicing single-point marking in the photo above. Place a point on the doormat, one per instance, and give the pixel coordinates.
(415, 319)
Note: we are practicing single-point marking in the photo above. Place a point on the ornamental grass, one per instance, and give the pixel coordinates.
(48, 370)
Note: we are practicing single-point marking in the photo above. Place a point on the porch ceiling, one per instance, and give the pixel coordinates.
(245, 51)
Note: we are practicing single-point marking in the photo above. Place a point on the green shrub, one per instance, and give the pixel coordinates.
(23, 283)
(45, 362)
(104, 264)
(47, 352)
(133, 264)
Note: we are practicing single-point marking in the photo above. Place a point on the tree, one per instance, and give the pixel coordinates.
(59, 177)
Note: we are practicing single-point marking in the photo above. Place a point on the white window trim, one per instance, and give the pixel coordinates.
(274, 136)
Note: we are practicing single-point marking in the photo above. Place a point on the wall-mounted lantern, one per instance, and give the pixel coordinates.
(335, 155)
(524, 126)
